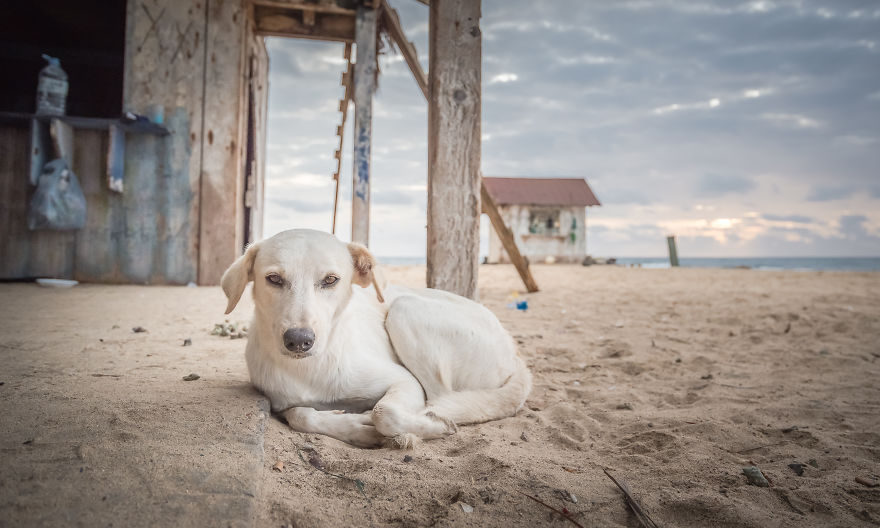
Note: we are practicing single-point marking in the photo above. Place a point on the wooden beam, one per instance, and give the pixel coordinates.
(507, 240)
(407, 49)
(454, 146)
(364, 87)
(278, 22)
(299, 5)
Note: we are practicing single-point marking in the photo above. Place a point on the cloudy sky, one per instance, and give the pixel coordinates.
(745, 128)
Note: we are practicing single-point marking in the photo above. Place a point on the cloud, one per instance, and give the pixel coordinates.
(791, 120)
(825, 193)
(718, 185)
(303, 206)
(797, 219)
(503, 78)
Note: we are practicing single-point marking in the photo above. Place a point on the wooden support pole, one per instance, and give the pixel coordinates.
(454, 146)
(673, 252)
(507, 240)
(364, 86)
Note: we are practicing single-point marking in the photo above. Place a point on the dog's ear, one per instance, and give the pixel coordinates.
(237, 276)
(364, 262)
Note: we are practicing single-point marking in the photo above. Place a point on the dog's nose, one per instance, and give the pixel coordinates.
(299, 339)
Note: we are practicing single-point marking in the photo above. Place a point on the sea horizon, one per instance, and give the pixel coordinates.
(758, 263)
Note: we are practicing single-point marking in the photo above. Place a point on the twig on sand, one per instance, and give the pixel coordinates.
(558, 512)
(749, 450)
(643, 518)
(359, 484)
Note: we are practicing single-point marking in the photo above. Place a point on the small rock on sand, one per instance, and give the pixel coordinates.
(755, 477)
(138, 329)
(187, 342)
(465, 507)
(869, 482)
(278, 466)
(798, 468)
(626, 406)
(407, 458)
(191, 377)
(522, 436)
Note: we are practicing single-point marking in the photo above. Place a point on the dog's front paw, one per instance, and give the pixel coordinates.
(363, 435)
(448, 426)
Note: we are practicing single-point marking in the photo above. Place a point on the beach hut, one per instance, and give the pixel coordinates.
(547, 216)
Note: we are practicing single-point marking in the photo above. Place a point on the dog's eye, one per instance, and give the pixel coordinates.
(329, 280)
(274, 278)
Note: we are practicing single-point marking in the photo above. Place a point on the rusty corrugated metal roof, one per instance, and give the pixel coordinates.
(540, 191)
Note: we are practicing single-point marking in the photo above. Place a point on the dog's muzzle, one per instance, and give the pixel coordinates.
(299, 340)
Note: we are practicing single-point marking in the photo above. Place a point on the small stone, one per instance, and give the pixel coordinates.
(467, 508)
(278, 466)
(187, 342)
(798, 468)
(626, 406)
(407, 458)
(522, 436)
(191, 377)
(618, 324)
(755, 477)
(572, 497)
(813, 463)
(869, 482)
(138, 329)
(707, 377)
(678, 360)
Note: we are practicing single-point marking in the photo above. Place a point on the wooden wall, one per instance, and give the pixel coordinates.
(180, 217)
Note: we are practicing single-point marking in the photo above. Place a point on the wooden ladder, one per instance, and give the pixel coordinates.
(347, 77)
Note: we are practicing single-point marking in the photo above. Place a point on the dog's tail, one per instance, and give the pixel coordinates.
(476, 406)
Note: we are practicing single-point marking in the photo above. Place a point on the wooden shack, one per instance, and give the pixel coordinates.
(177, 201)
(172, 205)
(547, 216)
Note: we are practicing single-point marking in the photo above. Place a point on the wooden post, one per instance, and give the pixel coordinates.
(673, 252)
(364, 86)
(454, 146)
(507, 240)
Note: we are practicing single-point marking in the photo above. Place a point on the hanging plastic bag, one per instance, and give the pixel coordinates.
(58, 203)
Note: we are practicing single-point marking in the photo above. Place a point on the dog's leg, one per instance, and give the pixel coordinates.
(355, 429)
(400, 415)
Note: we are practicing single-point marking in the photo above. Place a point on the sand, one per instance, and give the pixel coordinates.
(673, 380)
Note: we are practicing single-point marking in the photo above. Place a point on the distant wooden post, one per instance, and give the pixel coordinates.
(454, 105)
(673, 252)
(364, 86)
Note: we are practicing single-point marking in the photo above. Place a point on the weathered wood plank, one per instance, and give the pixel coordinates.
(454, 146)
(364, 87)
(15, 190)
(164, 70)
(407, 49)
(221, 231)
(282, 23)
(62, 140)
(507, 240)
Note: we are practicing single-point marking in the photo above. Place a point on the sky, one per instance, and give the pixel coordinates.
(743, 128)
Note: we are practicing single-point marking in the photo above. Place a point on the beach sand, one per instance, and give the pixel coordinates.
(673, 380)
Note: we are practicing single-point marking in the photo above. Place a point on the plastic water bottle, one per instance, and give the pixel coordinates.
(52, 89)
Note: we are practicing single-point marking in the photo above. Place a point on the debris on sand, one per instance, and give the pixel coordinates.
(869, 482)
(278, 466)
(236, 330)
(191, 377)
(523, 437)
(187, 342)
(138, 329)
(755, 477)
(626, 406)
(798, 468)
(467, 508)
(407, 458)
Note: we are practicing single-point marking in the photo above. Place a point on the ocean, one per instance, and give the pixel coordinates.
(759, 263)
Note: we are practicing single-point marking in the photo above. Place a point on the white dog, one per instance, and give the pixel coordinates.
(318, 346)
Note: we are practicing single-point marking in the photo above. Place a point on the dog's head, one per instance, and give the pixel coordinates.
(302, 280)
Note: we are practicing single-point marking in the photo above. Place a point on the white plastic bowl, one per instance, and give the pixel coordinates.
(57, 283)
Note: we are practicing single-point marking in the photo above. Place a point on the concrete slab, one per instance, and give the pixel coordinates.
(99, 427)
